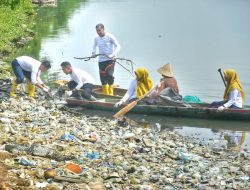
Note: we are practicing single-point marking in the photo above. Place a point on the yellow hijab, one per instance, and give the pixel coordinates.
(233, 82)
(144, 82)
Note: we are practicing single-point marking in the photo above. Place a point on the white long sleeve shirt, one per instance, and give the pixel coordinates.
(81, 77)
(107, 45)
(131, 92)
(31, 65)
(235, 99)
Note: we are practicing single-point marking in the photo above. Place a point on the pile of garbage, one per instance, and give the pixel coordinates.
(44, 146)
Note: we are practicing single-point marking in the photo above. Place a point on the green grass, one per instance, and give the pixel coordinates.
(15, 20)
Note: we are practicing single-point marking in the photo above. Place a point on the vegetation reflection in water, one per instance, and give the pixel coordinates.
(50, 21)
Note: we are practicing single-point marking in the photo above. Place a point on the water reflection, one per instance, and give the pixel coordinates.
(235, 139)
(201, 130)
(223, 139)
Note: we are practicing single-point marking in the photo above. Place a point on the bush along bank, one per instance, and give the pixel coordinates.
(16, 21)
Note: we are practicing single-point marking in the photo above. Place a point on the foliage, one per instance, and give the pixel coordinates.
(15, 19)
(11, 3)
(51, 21)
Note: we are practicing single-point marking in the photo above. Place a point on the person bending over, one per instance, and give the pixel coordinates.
(79, 80)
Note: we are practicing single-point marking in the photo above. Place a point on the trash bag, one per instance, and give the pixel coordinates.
(191, 99)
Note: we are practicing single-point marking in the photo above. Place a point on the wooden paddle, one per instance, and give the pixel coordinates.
(219, 70)
(128, 107)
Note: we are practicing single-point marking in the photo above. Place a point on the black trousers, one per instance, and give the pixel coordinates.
(87, 88)
(106, 69)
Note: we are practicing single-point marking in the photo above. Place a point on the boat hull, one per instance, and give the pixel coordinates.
(196, 111)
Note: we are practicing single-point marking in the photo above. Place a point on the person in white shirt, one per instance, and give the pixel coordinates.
(108, 46)
(79, 80)
(139, 86)
(30, 68)
(233, 94)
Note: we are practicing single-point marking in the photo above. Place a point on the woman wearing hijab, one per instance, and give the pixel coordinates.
(234, 93)
(138, 87)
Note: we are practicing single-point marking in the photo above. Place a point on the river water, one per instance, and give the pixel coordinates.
(196, 37)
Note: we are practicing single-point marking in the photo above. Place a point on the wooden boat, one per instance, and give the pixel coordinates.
(106, 102)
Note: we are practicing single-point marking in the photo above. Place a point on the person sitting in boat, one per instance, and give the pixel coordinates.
(166, 93)
(138, 87)
(167, 81)
(233, 94)
(79, 80)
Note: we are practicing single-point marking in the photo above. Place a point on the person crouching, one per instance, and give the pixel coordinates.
(79, 80)
(30, 68)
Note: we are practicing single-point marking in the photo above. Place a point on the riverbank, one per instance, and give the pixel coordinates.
(45, 146)
(17, 21)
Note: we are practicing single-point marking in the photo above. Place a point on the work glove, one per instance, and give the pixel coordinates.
(221, 108)
(118, 104)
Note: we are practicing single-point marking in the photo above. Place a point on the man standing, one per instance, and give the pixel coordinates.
(108, 48)
(79, 80)
(31, 69)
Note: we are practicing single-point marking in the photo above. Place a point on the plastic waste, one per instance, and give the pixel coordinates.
(128, 135)
(244, 178)
(191, 99)
(187, 156)
(217, 144)
(5, 120)
(67, 137)
(41, 185)
(155, 130)
(214, 171)
(74, 168)
(146, 187)
(93, 155)
(26, 162)
(50, 173)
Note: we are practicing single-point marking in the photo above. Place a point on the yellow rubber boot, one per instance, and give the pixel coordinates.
(31, 89)
(13, 88)
(105, 89)
(111, 90)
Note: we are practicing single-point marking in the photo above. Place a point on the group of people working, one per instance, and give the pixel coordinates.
(81, 81)
(141, 87)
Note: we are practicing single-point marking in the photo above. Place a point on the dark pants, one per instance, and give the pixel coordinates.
(106, 69)
(220, 103)
(19, 72)
(87, 88)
